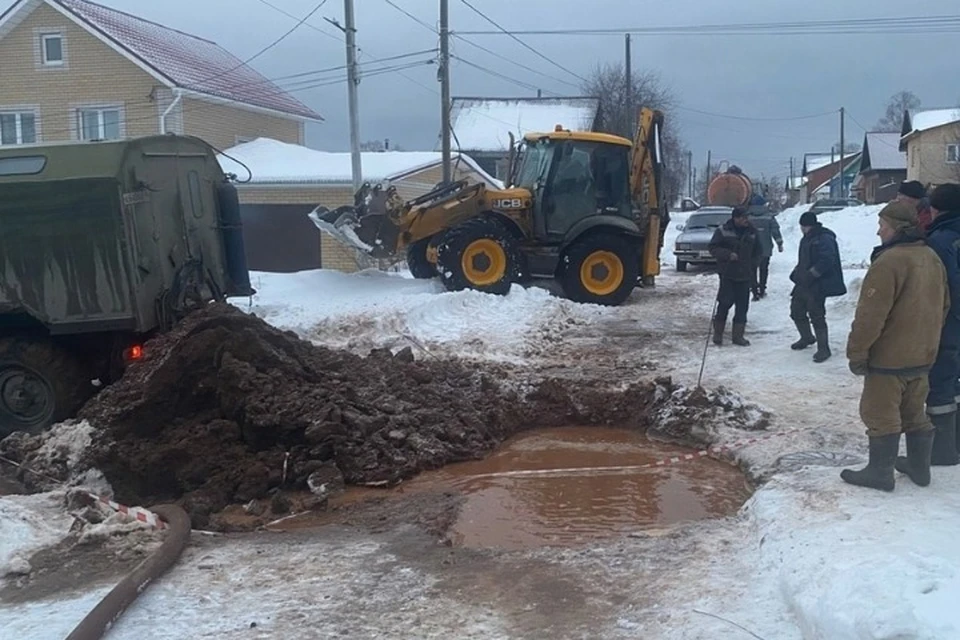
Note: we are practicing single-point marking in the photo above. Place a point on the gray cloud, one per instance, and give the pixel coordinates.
(748, 76)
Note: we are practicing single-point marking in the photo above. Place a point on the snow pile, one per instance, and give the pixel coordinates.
(863, 564)
(485, 124)
(53, 458)
(699, 415)
(29, 523)
(856, 229)
(372, 309)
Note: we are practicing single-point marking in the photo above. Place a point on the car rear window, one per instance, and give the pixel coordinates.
(22, 165)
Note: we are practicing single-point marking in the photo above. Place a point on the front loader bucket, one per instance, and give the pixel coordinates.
(366, 225)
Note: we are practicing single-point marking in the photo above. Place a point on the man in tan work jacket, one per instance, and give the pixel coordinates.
(893, 343)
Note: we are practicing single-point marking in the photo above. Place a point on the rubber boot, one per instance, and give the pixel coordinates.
(916, 464)
(945, 440)
(878, 474)
(823, 341)
(756, 295)
(806, 336)
(719, 326)
(738, 339)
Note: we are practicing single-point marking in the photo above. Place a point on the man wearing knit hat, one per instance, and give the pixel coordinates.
(914, 194)
(817, 276)
(893, 343)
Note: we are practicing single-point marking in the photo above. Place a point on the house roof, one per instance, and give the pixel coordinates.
(274, 162)
(485, 124)
(176, 59)
(814, 161)
(881, 152)
(850, 170)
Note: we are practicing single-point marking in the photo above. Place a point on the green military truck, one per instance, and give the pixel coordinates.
(102, 245)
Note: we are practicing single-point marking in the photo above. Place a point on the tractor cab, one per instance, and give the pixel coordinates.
(572, 176)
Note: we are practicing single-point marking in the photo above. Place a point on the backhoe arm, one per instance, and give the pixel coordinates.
(646, 179)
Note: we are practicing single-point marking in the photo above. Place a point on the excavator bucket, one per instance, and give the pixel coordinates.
(367, 225)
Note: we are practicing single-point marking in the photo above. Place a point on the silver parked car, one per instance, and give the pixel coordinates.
(693, 243)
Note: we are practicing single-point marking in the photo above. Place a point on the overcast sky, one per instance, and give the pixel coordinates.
(759, 76)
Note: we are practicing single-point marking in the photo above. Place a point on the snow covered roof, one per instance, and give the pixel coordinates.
(881, 152)
(174, 58)
(484, 124)
(924, 120)
(274, 162)
(814, 161)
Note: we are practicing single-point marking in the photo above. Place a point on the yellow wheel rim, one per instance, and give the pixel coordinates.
(484, 262)
(601, 273)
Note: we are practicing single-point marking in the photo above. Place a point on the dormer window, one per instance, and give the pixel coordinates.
(51, 47)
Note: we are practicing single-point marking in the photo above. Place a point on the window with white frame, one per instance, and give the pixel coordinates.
(17, 127)
(51, 49)
(953, 153)
(98, 123)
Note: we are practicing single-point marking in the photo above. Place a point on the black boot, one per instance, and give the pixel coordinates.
(806, 336)
(916, 464)
(878, 474)
(763, 291)
(738, 339)
(719, 326)
(756, 295)
(945, 440)
(823, 341)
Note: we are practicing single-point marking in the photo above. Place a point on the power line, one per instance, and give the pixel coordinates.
(497, 74)
(262, 51)
(412, 17)
(945, 23)
(758, 119)
(514, 62)
(524, 44)
(306, 24)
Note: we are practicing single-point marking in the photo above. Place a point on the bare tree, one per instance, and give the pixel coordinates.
(899, 103)
(608, 83)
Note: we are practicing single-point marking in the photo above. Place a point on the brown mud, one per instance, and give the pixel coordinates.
(226, 409)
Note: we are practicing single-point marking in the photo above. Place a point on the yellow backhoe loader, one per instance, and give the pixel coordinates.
(582, 207)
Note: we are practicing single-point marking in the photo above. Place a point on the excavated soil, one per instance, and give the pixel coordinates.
(227, 410)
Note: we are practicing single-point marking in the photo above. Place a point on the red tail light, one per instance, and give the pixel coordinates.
(133, 354)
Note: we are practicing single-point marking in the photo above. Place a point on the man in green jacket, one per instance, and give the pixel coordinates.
(904, 300)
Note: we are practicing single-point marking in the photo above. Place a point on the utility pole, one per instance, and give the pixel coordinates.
(628, 77)
(445, 89)
(691, 181)
(706, 178)
(842, 118)
(353, 80)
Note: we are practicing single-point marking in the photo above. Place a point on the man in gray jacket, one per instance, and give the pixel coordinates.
(768, 230)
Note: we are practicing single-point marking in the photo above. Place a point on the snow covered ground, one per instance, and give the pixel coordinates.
(807, 557)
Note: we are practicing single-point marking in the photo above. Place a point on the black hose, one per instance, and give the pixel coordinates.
(106, 613)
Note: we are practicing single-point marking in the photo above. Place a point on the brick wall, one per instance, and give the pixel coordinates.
(94, 75)
(222, 125)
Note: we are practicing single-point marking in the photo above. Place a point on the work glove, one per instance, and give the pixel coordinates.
(780, 248)
(858, 368)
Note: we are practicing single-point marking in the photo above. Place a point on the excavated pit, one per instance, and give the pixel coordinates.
(226, 410)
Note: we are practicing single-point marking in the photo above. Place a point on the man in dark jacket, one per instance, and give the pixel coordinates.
(817, 276)
(943, 236)
(769, 231)
(904, 301)
(736, 247)
(913, 193)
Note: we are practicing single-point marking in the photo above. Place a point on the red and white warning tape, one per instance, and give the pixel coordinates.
(633, 467)
(138, 513)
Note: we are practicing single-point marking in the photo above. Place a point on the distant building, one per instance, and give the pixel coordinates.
(931, 140)
(882, 168)
(75, 70)
(285, 182)
(482, 126)
(822, 174)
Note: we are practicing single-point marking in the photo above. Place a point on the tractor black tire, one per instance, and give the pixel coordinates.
(601, 268)
(681, 265)
(41, 384)
(479, 254)
(417, 262)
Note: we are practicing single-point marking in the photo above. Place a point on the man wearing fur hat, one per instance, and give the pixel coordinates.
(817, 276)
(893, 343)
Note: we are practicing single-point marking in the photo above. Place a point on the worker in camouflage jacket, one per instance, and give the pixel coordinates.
(817, 276)
(768, 229)
(943, 236)
(736, 247)
(893, 343)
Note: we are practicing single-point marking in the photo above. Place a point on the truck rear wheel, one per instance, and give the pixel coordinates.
(40, 384)
(600, 269)
(479, 254)
(417, 262)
